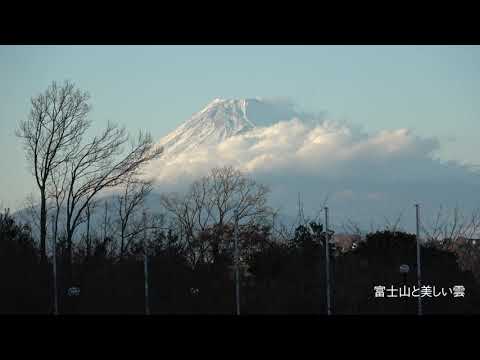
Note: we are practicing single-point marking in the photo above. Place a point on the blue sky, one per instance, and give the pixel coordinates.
(433, 90)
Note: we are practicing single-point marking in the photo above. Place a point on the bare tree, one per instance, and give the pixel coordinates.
(230, 191)
(449, 227)
(395, 225)
(210, 203)
(89, 210)
(350, 226)
(129, 203)
(53, 129)
(459, 233)
(100, 164)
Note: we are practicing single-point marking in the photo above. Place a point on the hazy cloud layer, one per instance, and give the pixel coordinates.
(365, 176)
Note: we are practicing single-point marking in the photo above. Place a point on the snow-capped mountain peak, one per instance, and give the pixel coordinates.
(221, 119)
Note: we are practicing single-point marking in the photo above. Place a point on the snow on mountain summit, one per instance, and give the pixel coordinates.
(221, 119)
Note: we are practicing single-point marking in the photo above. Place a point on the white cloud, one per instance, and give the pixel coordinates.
(367, 174)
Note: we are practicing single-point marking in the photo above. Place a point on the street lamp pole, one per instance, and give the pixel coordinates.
(327, 257)
(236, 263)
(419, 271)
(145, 264)
(55, 291)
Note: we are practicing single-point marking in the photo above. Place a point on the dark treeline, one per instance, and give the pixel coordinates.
(279, 277)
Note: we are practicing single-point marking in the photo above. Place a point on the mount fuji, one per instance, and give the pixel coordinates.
(367, 177)
(222, 119)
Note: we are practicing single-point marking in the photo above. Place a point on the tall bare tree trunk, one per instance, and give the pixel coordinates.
(43, 227)
(122, 243)
(88, 233)
(105, 223)
(69, 267)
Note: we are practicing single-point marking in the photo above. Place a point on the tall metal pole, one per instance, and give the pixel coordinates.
(236, 264)
(55, 291)
(419, 267)
(327, 257)
(145, 264)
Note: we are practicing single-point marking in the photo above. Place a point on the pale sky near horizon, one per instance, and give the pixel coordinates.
(432, 90)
